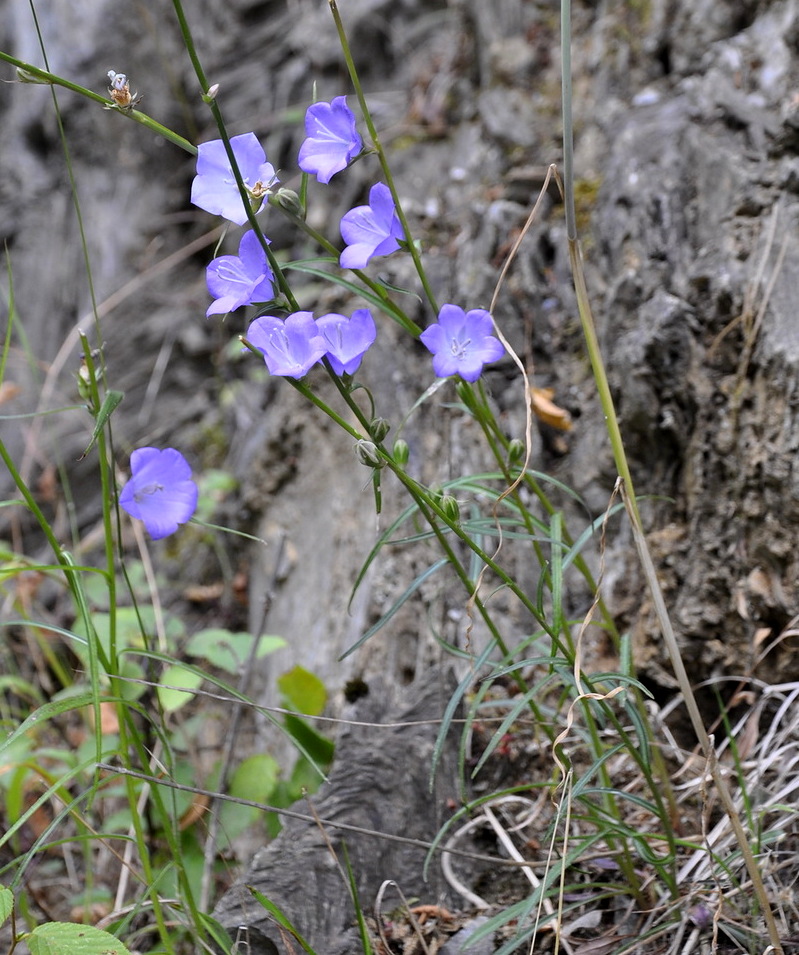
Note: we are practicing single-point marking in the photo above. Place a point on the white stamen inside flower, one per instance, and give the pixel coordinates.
(459, 348)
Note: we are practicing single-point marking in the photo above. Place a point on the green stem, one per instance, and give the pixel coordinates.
(191, 49)
(381, 155)
(628, 491)
(28, 73)
(432, 514)
(393, 310)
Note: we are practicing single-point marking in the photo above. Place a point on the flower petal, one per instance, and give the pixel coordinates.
(370, 230)
(160, 491)
(462, 342)
(347, 339)
(291, 347)
(215, 188)
(332, 139)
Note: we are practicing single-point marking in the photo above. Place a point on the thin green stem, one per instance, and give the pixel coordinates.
(388, 305)
(433, 514)
(381, 155)
(628, 492)
(27, 73)
(191, 49)
(568, 129)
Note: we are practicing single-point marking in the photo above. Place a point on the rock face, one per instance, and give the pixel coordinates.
(688, 163)
(365, 796)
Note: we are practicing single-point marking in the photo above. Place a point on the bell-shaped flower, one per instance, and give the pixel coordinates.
(214, 187)
(347, 339)
(290, 347)
(243, 279)
(462, 342)
(332, 139)
(370, 230)
(160, 491)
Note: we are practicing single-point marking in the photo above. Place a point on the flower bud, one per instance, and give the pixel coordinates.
(451, 508)
(84, 381)
(401, 452)
(515, 451)
(369, 455)
(379, 428)
(289, 200)
(210, 96)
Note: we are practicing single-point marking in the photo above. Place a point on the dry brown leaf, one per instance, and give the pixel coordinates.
(9, 390)
(204, 593)
(547, 411)
(195, 812)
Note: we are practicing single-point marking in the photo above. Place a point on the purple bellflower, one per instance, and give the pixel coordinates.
(370, 230)
(462, 342)
(160, 491)
(214, 187)
(291, 347)
(347, 339)
(332, 139)
(236, 280)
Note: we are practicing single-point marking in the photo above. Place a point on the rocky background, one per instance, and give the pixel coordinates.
(687, 139)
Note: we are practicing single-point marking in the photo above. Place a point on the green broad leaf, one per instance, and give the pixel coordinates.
(69, 938)
(303, 691)
(255, 779)
(6, 903)
(230, 651)
(178, 676)
(318, 747)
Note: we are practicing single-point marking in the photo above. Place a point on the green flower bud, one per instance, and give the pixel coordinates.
(289, 200)
(369, 455)
(401, 452)
(379, 428)
(515, 451)
(451, 508)
(84, 382)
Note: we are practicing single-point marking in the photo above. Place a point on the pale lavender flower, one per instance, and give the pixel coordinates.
(236, 280)
(214, 187)
(370, 230)
(290, 347)
(160, 491)
(333, 140)
(462, 342)
(347, 339)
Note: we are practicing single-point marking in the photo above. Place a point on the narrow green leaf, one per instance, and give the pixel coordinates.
(556, 570)
(110, 403)
(279, 917)
(415, 585)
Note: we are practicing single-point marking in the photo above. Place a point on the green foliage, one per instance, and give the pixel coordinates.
(69, 938)
(102, 735)
(230, 651)
(6, 903)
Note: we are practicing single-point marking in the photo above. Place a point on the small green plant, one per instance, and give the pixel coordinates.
(125, 678)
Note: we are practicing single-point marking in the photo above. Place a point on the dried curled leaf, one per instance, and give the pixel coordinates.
(547, 411)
